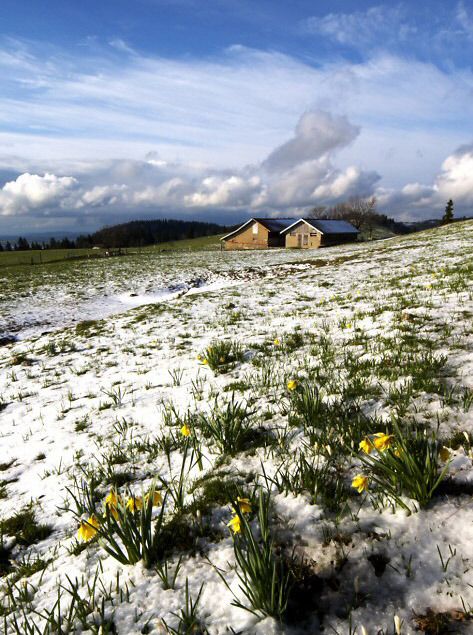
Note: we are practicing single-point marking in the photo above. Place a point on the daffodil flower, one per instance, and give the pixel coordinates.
(134, 503)
(383, 441)
(366, 445)
(244, 505)
(444, 454)
(235, 524)
(157, 498)
(277, 342)
(111, 502)
(360, 482)
(185, 430)
(88, 528)
(292, 384)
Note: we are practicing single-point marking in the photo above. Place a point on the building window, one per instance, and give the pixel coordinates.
(255, 228)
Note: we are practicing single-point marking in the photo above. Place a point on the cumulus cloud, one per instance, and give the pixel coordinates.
(454, 181)
(317, 134)
(298, 173)
(30, 192)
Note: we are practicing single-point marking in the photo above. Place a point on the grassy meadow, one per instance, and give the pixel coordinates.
(283, 446)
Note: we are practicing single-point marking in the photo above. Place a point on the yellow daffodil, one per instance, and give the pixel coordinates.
(383, 441)
(134, 503)
(111, 502)
(397, 453)
(277, 342)
(235, 525)
(292, 384)
(244, 505)
(360, 483)
(157, 499)
(444, 454)
(185, 430)
(199, 358)
(222, 360)
(205, 362)
(88, 528)
(366, 445)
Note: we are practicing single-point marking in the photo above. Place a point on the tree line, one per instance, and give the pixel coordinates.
(133, 234)
(360, 212)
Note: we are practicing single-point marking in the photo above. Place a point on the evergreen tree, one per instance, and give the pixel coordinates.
(448, 216)
(22, 244)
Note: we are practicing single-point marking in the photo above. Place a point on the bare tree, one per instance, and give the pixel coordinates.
(360, 212)
(317, 212)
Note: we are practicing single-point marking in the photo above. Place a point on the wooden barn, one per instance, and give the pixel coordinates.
(296, 233)
(311, 233)
(258, 233)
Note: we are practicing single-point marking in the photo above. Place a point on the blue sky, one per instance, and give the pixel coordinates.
(220, 110)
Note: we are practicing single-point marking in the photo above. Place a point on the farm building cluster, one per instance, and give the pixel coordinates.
(296, 233)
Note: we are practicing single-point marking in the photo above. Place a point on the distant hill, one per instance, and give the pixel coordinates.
(140, 233)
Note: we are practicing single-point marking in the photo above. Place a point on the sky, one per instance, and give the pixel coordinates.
(222, 110)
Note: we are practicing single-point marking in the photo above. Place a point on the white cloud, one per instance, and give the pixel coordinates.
(317, 134)
(232, 191)
(298, 173)
(464, 19)
(454, 181)
(373, 27)
(219, 135)
(31, 192)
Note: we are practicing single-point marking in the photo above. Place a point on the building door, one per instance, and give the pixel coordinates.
(299, 240)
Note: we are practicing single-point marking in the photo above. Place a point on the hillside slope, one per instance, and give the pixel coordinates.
(263, 387)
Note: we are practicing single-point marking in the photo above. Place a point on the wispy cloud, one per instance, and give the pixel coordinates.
(464, 19)
(218, 134)
(375, 27)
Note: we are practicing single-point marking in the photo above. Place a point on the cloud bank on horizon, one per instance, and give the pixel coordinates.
(117, 133)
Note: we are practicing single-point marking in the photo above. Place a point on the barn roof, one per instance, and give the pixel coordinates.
(275, 225)
(282, 225)
(326, 227)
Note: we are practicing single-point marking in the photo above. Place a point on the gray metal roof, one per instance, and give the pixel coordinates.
(276, 224)
(332, 226)
(327, 226)
(280, 225)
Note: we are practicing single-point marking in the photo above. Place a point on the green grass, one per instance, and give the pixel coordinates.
(203, 243)
(38, 257)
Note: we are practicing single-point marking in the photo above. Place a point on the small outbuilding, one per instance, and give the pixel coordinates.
(258, 233)
(311, 233)
(298, 233)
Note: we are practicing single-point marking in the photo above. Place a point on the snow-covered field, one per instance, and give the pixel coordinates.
(315, 352)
